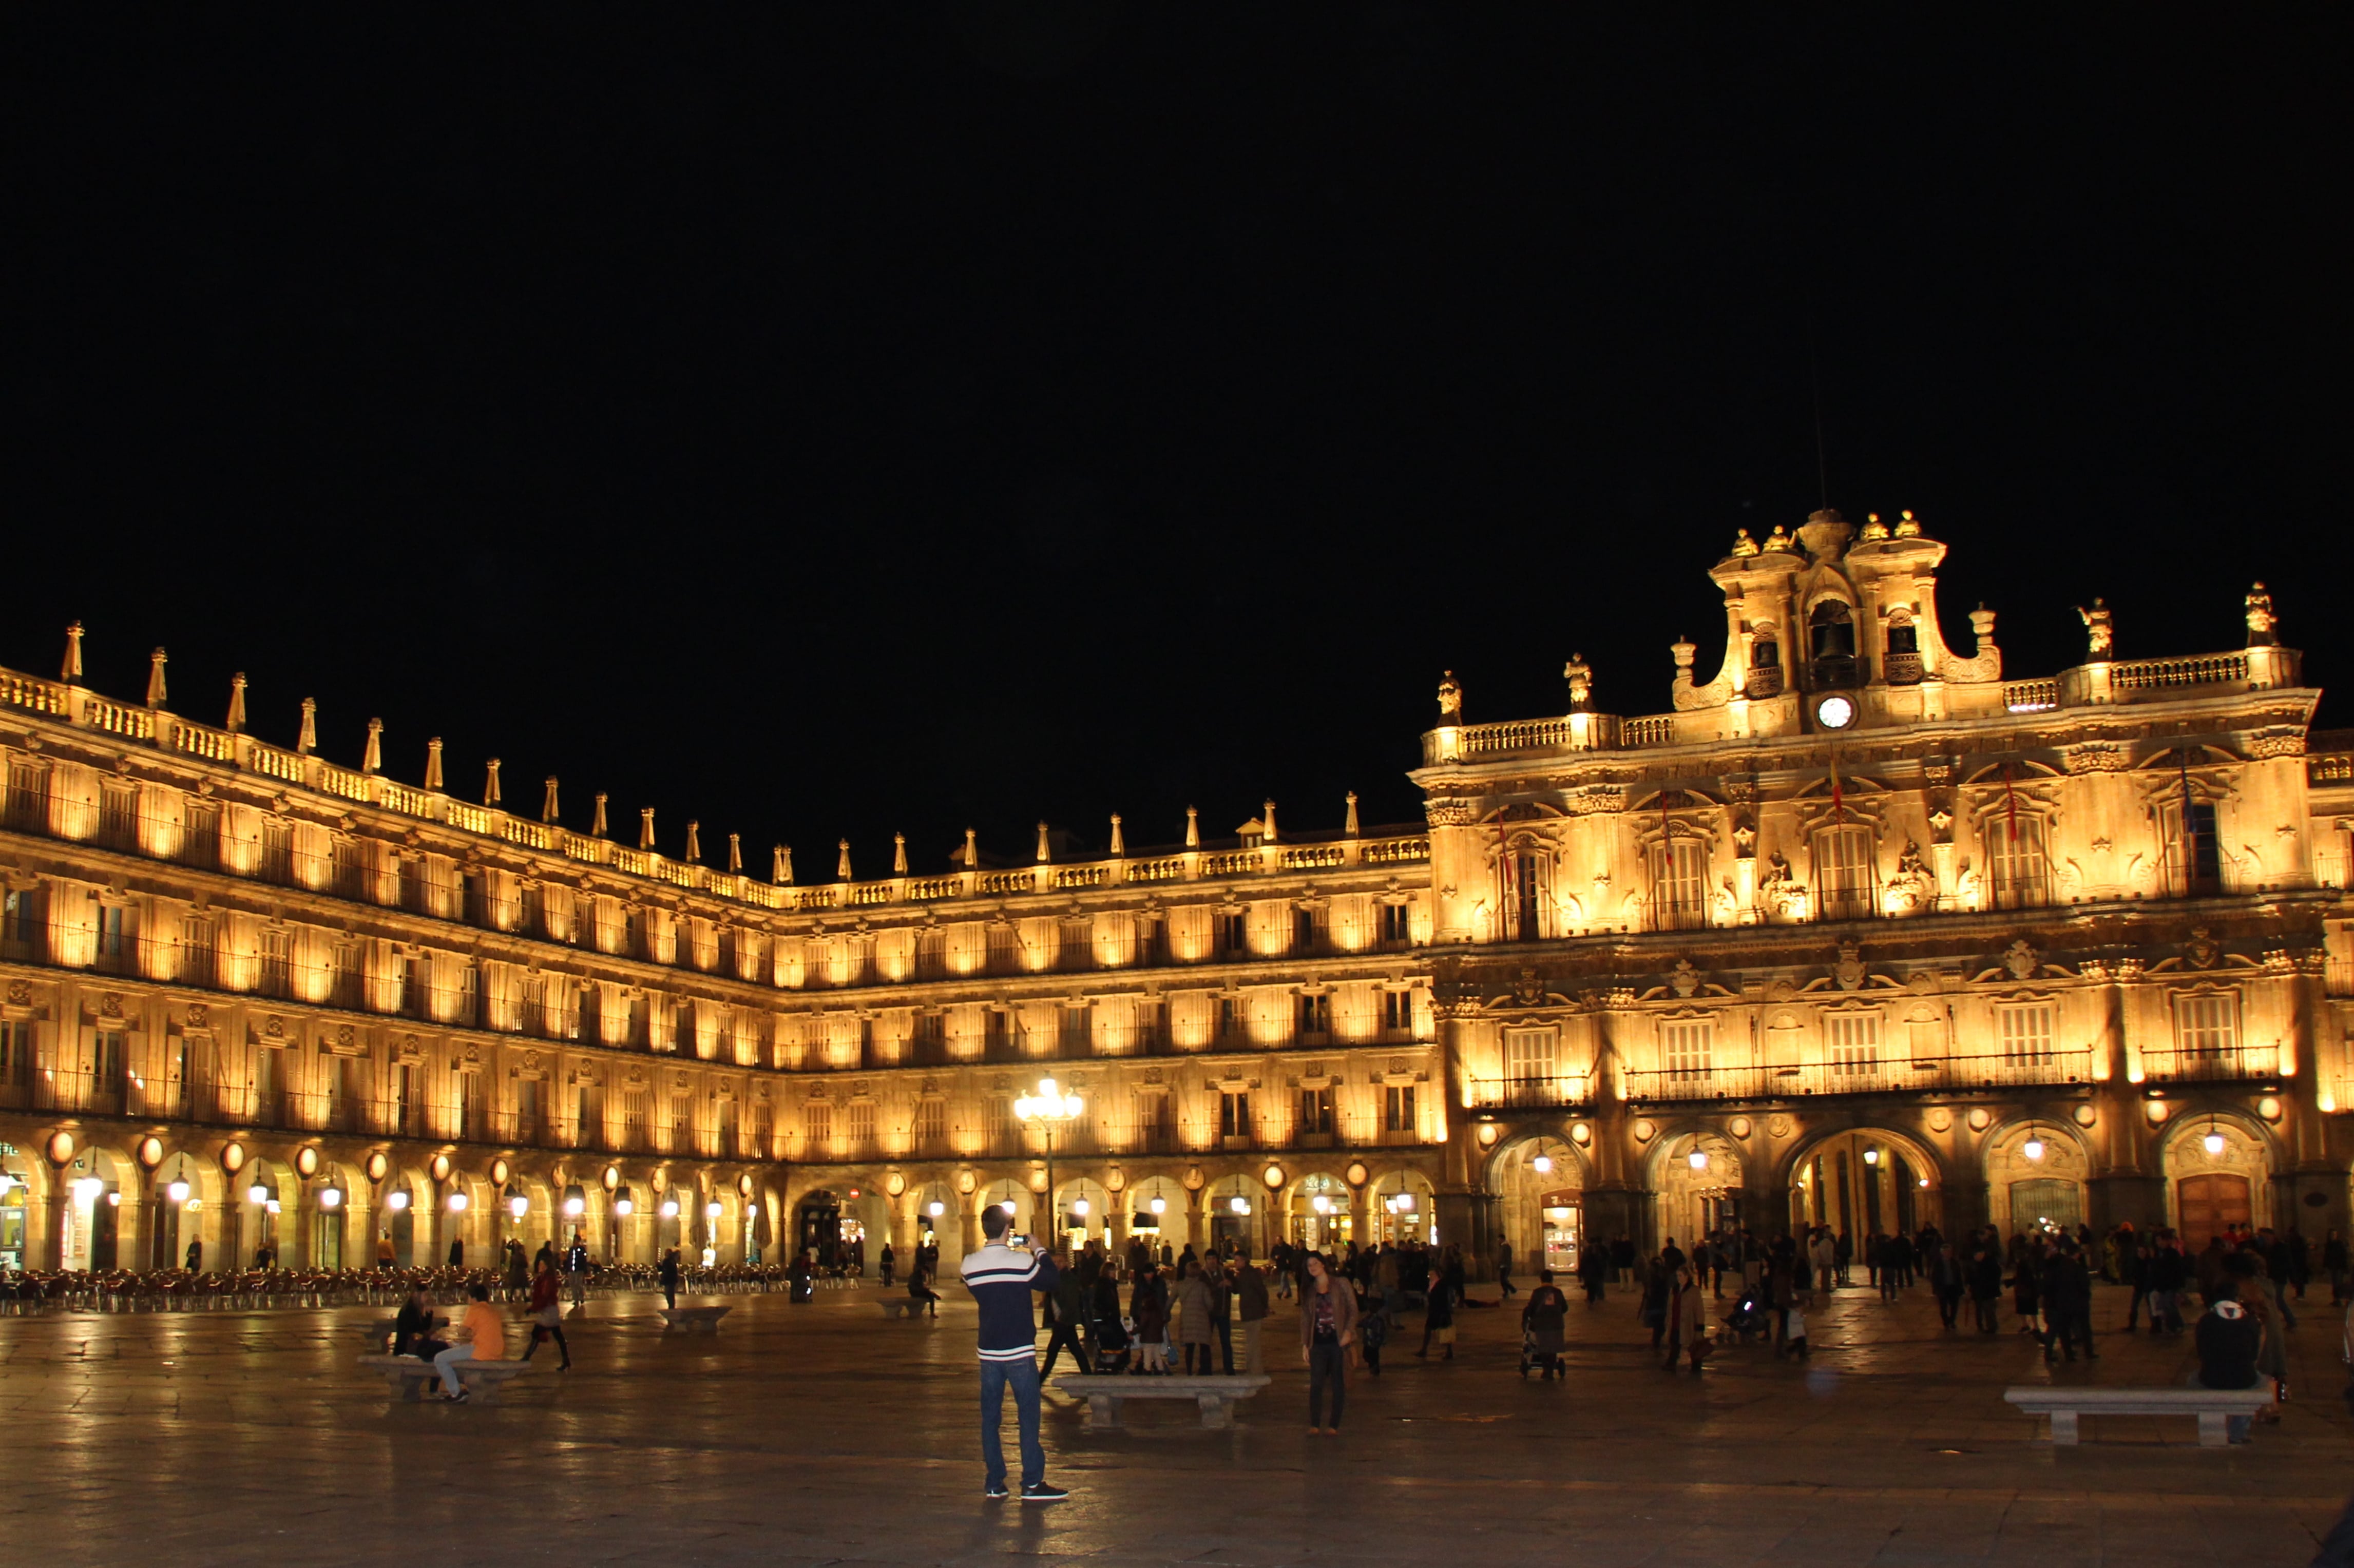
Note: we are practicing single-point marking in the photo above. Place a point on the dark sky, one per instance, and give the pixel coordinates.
(826, 420)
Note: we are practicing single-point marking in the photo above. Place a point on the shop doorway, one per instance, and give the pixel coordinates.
(818, 1227)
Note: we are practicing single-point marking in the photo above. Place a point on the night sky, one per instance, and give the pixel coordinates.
(828, 420)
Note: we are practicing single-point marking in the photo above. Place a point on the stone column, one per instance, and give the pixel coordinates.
(2126, 1182)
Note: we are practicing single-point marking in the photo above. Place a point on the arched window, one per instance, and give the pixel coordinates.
(1765, 678)
(1831, 632)
(1903, 661)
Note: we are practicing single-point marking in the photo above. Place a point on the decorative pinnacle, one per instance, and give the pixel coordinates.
(548, 813)
(597, 829)
(1043, 855)
(693, 842)
(307, 741)
(841, 864)
(1192, 828)
(1118, 844)
(898, 854)
(1350, 827)
(372, 760)
(645, 827)
(735, 853)
(236, 723)
(780, 865)
(70, 672)
(434, 763)
(156, 696)
(491, 782)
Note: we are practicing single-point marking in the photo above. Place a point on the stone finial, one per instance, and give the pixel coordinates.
(235, 722)
(1907, 526)
(1450, 699)
(735, 853)
(693, 842)
(70, 672)
(972, 850)
(2262, 624)
(1982, 628)
(1192, 828)
(1825, 535)
(1742, 545)
(1349, 827)
(780, 865)
(1875, 530)
(156, 696)
(645, 827)
(307, 740)
(434, 763)
(2098, 630)
(491, 782)
(1270, 820)
(597, 828)
(1045, 854)
(898, 854)
(547, 811)
(841, 863)
(1119, 843)
(372, 760)
(1681, 650)
(1580, 676)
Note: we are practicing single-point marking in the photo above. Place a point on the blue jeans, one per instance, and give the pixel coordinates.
(1021, 1376)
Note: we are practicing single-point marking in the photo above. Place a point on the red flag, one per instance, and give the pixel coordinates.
(2010, 803)
(1838, 812)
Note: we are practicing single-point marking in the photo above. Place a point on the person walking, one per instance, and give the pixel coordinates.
(888, 1264)
(2167, 1271)
(1066, 1309)
(547, 1312)
(1594, 1273)
(1687, 1319)
(384, 1255)
(2068, 1302)
(1504, 1272)
(1327, 1327)
(1251, 1306)
(1438, 1317)
(1946, 1282)
(457, 1252)
(481, 1337)
(1984, 1272)
(667, 1272)
(1001, 1279)
(1222, 1311)
(575, 1265)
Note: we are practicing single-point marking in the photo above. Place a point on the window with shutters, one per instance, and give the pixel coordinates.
(2026, 1031)
(1532, 1057)
(1315, 1017)
(2192, 851)
(1234, 1114)
(1679, 885)
(1316, 1113)
(861, 1129)
(1156, 1121)
(1397, 925)
(1846, 876)
(730, 1129)
(637, 1118)
(931, 1126)
(16, 1053)
(1398, 1120)
(1688, 1047)
(1002, 1132)
(2020, 873)
(1852, 1044)
(1233, 934)
(1397, 1013)
(2207, 1024)
(277, 962)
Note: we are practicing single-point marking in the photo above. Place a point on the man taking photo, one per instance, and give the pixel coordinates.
(1000, 1279)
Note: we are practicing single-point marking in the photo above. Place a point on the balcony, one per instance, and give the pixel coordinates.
(2229, 1065)
(1550, 1092)
(1825, 1079)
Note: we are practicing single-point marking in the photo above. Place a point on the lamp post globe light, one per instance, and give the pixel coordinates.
(1048, 1109)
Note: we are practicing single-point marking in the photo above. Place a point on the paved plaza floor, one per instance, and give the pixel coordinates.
(822, 1434)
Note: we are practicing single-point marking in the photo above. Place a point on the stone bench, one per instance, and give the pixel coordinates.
(902, 1307)
(694, 1319)
(377, 1331)
(1215, 1395)
(409, 1376)
(2210, 1406)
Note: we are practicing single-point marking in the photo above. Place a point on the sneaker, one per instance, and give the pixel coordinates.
(994, 1491)
(1041, 1492)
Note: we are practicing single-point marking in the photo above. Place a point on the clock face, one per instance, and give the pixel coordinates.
(1835, 712)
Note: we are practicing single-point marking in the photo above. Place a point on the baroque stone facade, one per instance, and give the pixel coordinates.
(1857, 931)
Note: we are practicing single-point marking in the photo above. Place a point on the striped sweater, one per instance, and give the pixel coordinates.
(1001, 1280)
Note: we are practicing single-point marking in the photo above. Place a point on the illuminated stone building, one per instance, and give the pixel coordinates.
(1859, 931)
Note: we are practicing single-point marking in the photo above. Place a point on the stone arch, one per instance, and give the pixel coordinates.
(2207, 1191)
(1539, 1181)
(2037, 1170)
(1697, 1173)
(1403, 1205)
(1859, 1179)
(1326, 1227)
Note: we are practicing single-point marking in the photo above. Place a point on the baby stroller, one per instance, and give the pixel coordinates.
(1541, 1347)
(1111, 1345)
(1749, 1316)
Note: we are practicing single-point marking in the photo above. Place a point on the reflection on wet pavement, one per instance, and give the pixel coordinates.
(821, 1434)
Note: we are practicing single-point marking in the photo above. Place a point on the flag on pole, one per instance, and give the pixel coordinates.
(2010, 803)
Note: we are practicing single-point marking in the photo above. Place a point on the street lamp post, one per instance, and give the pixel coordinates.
(1048, 1109)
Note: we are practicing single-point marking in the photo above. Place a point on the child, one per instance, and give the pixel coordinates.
(1794, 1326)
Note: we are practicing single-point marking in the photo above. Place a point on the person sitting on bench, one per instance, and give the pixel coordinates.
(412, 1330)
(482, 1336)
(919, 1289)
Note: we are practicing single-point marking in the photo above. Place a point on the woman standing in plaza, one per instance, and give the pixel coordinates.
(1148, 1305)
(1194, 1307)
(1327, 1327)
